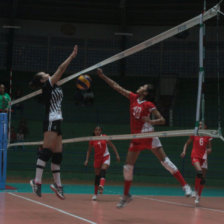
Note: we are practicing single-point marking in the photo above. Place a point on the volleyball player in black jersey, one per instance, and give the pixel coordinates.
(52, 144)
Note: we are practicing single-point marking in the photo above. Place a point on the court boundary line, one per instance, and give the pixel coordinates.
(178, 203)
(53, 208)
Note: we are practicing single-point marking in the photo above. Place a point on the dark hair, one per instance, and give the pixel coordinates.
(95, 128)
(151, 93)
(36, 83)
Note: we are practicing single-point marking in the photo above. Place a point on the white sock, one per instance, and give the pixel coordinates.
(39, 171)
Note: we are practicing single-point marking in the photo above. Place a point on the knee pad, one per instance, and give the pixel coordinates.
(45, 154)
(128, 172)
(57, 158)
(199, 175)
(103, 173)
(97, 180)
(169, 166)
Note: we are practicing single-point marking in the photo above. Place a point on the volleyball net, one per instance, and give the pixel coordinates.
(168, 60)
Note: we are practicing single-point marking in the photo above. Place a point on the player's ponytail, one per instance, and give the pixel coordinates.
(151, 93)
(36, 83)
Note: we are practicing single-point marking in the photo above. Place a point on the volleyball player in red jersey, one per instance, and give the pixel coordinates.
(140, 121)
(201, 147)
(101, 160)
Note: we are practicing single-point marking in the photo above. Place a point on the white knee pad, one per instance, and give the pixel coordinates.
(128, 172)
(169, 165)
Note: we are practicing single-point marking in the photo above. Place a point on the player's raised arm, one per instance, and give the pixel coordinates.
(62, 67)
(113, 84)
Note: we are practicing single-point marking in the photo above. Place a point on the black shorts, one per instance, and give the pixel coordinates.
(54, 126)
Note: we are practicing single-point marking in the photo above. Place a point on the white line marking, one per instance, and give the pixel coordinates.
(182, 204)
(51, 207)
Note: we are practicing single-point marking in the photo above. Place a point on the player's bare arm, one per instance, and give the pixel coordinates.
(209, 147)
(159, 119)
(188, 142)
(61, 68)
(113, 84)
(115, 150)
(87, 155)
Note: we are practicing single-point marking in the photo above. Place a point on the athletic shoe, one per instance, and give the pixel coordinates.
(193, 194)
(94, 197)
(187, 190)
(197, 199)
(58, 191)
(100, 189)
(124, 201)
(36, 188)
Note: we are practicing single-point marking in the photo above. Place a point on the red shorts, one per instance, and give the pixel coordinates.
(140, 144)
(98, 162)
(203, 162)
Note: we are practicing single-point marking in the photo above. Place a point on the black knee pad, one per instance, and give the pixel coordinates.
(103, 173)
(45, 154)
(202, 181)
(57, 158)
(97, 180)
(199, 174)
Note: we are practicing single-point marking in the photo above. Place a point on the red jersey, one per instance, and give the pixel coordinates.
(100, 148)
(139, 109)
(199, 146)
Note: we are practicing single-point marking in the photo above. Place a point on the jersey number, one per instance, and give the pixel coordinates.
(201, 141)
(99, 143)
(137, 112)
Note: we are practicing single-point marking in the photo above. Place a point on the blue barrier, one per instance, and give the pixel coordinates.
(3, 149)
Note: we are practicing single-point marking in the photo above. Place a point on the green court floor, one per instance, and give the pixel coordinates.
(135, 190)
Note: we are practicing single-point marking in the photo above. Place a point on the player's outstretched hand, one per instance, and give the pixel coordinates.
(99, 72)
(75, 51)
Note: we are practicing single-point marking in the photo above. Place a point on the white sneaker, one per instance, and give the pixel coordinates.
(94, 197)
(193, 194)
(197, 199)
(124, 201)
(187, 190)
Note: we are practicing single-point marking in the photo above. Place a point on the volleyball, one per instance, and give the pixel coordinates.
(83, 82)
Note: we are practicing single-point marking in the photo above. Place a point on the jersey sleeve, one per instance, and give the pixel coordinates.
(151, 106)
(192, 138)
(91, 143)
(132, 97)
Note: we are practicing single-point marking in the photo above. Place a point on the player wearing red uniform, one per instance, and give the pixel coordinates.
(201, 147)
(140, 110)
(101, 160)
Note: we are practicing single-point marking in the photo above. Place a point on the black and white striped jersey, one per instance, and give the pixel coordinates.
(52, 96)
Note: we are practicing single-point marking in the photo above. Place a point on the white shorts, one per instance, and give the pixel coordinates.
(205, 164)
(156, 143)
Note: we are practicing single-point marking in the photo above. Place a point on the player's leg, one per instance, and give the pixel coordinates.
(56, 168)
(44, 156)
(128, 177)
(158, 151)
(96, 182)
(104, 167)
(201, 168)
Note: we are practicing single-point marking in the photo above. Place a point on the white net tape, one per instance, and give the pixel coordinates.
(176, 133)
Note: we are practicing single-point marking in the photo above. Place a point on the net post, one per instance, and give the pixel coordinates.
(3, 149)
(201, 74)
